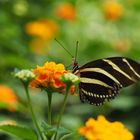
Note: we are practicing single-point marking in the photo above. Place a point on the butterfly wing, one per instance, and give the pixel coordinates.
(100, 80)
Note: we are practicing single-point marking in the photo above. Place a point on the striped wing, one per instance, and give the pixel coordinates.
(100, 80)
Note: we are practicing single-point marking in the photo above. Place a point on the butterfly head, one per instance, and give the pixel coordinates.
(75, 66)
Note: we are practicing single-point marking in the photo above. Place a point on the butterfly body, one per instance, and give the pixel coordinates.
(100, 80)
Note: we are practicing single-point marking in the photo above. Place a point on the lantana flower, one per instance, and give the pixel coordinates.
(24, 75)
(8, 98)
(122, 45)
(48, 77)
(44, 29)
(66, 11)
(102, 129)
(70, 78)
(113, 10)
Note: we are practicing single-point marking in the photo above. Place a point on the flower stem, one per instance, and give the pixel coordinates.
(61, 112)
(32, 113)
(49, 107)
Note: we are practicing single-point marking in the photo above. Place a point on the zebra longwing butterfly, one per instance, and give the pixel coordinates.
(100, 80)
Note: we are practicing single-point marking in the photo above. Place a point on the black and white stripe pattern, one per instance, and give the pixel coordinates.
(100, 80)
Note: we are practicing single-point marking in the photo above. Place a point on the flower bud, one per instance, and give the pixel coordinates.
(24, 75)
(70, 79)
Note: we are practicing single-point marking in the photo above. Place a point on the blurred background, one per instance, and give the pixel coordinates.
(104, 28)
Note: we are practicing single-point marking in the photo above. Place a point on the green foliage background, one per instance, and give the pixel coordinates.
(97, 37)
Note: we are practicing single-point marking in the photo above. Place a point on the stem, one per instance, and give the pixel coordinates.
(49, 108)
(32, 113)
(61, 112)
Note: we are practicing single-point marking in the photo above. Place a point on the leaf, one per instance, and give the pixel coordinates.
(49, 131)
(3, 105)
(19, 131)
(63, 133)
(66, 136)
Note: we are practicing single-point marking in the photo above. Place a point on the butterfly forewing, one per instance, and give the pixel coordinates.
(101, 79)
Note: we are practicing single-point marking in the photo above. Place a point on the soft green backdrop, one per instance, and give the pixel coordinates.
(98, 37)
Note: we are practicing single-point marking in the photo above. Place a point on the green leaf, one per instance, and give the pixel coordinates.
(3, 105)
(19, 131)
(63, 132)
(49, 131)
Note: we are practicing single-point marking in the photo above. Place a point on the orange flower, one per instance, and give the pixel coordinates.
(113, 10)
(44, 29)
(38, 46)
(101, 129)
(122, 46)
(8, 98)
(66, 11)
(48, 76)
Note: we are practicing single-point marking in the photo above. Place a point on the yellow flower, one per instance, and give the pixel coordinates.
(8, 122)
(66, 11)
(113, 10)
(101, 129)
(48, 76)
(8, 97)
(44, 29)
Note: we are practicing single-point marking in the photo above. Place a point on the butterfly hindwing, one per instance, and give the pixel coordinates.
(101, 79)
(95, 95)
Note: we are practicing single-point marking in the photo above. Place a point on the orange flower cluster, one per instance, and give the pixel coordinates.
(44, 29)
(113, 10)
(48, 77)
(66, 11)
(122, 46)
(101, 129)
(8, 98)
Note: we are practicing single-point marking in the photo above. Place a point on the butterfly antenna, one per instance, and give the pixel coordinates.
(63, 47)
(77, 45)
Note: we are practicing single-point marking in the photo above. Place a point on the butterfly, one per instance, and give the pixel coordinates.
(100, 80)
